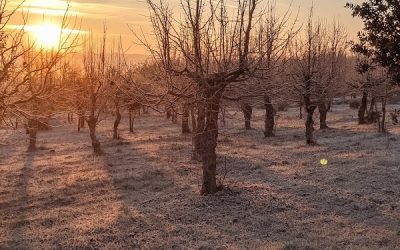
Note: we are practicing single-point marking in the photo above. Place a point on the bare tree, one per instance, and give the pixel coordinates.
(212, 50)
(115, 69)
(271, 39)
(274, 36)
(28, 71)
(316, 64)
(97, 85)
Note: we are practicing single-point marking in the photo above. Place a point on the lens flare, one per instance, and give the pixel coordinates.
(324, 162)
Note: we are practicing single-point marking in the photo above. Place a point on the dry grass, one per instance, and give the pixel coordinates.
(144, 192)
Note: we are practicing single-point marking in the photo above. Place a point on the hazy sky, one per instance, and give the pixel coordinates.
(118, 14)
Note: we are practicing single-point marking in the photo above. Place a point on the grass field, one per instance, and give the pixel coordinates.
(144, 192)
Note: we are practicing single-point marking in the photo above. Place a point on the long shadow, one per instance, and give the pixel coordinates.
(162, 207)
(8, 145)
(328, 199)
(159, 207)
(161, 211)
(156, 205)
(20, 207)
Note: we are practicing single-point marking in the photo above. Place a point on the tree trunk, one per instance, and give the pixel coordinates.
(269, 122)
(92, 123)
(372, 113)
(174, 116)
(81, 122)
(363, 108)
(247, 112)
(201, 116)
(323, 110)
(310, 108)
(208, 140)
(116, 122)
(145, 110)
(185, 119)
(383, 118)
(372, 105)
(168, 113)
(301, 111)
(223, 116)
(32, 130)
(193, 118)
(131, 118)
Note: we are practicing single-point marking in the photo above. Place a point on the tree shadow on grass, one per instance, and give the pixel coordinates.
(259, 207)
(18, 210)
(313, 204)
(162, 207)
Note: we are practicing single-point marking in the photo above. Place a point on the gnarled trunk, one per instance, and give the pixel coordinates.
(208, 143)
(269, 122)
(92, 123)
(363, 108)
(247, 112)
(323, 110)
(310, 108)
(185, 119)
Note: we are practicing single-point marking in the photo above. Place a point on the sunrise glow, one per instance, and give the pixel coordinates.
(199, 124)
(47, 36)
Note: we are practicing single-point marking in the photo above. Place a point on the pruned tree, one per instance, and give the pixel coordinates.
(28, 72)
(97, 85)
(274, 36)
(213, 50)
(363, 82)
(316, 64)
(73, 96)
(115, 69)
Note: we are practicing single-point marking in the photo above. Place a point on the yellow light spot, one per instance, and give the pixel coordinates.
(324, 162)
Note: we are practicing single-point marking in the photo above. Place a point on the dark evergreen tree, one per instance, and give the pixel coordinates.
(380, 37)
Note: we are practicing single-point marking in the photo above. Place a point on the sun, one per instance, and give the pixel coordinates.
(47, 36)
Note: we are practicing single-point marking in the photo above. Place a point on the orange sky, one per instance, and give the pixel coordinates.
(118, 14)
